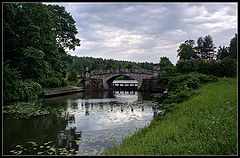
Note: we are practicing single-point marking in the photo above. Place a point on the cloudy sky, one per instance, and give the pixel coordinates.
(144, 32)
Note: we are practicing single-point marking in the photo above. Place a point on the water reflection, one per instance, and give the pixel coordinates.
(86, 122)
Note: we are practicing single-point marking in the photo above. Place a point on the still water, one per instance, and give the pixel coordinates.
(90, 122)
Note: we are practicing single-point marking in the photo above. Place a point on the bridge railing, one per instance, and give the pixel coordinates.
(111, 71)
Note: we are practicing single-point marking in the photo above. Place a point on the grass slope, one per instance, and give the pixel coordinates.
(204, 125)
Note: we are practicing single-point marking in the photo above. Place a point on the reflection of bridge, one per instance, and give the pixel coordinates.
(102, 80)
(123, 86)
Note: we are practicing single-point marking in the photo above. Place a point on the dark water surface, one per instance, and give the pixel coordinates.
(90, 122)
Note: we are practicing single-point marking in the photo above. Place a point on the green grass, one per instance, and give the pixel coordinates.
(206, 124)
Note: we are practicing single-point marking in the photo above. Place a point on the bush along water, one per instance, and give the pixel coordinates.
(17, 89)
(182, 86)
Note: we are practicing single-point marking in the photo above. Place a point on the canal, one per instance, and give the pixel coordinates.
(88, 123)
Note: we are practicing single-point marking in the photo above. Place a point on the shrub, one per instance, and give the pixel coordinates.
(11, 78)
(73, 76)
(64, 83)
(55, 80)
(178, 96)
(16, 89)
(28, 89)
(181, 87)
(226, 67)
(80, 84)
(164, 74)
(206, 78)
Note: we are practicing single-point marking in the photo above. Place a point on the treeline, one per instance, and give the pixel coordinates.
(94, 64)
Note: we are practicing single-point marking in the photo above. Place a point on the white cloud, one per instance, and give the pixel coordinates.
(147, 31)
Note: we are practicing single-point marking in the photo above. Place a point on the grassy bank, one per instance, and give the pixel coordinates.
(204, 125)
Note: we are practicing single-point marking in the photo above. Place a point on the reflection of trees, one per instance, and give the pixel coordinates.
(111, 107)
(69, 117)
(98, 94)
(74, 105)
(92, 106)
(63, 98)
(154, 111)
(86, 108)
(101, 105)
(144, 96)
(66, 138)
(38, 129)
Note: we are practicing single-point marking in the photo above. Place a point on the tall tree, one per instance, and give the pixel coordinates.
(209, 47)
(199, 48)
(64, 27)
(233, 47)
(27, 38)
(205, 48)
(35, 38)
(186, 50)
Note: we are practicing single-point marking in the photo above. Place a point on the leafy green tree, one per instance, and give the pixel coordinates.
(233, 47)
(25, 25)
(39, 27)
(223, 52)
(73, 76)
(36, 37)
(64, 27)
(186, 50)
(164, 61)
(11, 78)
(28, 39)
(111, 64)
(147, 66)
(135, 67)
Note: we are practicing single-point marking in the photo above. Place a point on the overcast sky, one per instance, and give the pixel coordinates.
(144, 32)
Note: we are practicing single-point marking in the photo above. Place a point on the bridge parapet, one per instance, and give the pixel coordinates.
(117, 71)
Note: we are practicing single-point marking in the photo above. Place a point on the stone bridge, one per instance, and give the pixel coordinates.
(103, 79)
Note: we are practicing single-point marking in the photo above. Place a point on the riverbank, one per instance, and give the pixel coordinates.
(58, 92)
(204, 125)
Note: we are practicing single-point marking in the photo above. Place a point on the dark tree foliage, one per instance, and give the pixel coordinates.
(35, 39)
(205, 48)
(164, 61)
(233, 48)
(186, 50)
(64, 27)
(222, 53)
(73, 76)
